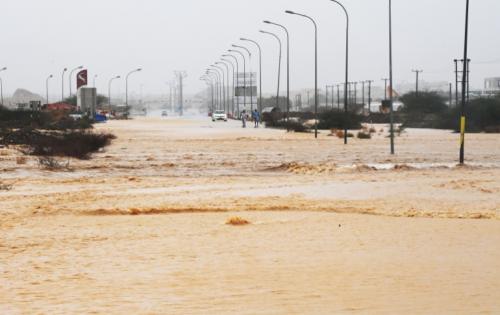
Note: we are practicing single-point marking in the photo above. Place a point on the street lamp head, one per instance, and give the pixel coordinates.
(267, 22)
(118, 77)
(80, 67)
(3, 69)
(139, 69)
(289, 12)
(51, 76)
(65, 69)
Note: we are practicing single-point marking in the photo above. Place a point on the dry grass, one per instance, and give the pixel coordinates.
(237, 221)
(52, 164)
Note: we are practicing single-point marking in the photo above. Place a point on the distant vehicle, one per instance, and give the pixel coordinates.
(219, 115)
(164, 113)
(76, 116)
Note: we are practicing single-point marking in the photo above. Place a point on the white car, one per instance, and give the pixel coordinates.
(219, 115)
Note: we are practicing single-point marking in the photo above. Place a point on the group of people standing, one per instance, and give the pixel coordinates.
(255, 118)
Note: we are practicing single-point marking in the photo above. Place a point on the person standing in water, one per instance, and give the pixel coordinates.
(256, 118)
(244, 119)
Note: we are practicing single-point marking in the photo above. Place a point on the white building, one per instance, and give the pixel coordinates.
(492, 84)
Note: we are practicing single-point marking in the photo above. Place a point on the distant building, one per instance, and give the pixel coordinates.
(59, 106)
(492, 84)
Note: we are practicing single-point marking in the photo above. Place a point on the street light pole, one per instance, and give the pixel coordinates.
(315, 69)
(227, 83)
(215, 78)
(109, 90)
(217, 68)
(126, 85)
(260, 70)
(47, 87)
(234, 78)
(250, 66)
(62, 84)
(244, 78)
(346, 88)
(219, 89)
(464, 76)
(279, 66)
(237, 71)
(214, 89)
(287, 71)
(70, 76)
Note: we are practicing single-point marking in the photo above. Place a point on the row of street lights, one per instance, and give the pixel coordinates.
(212, 80)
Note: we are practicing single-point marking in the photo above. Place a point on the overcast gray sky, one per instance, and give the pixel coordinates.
(109, 37)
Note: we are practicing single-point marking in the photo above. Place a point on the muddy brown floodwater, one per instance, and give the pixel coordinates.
(141, 228)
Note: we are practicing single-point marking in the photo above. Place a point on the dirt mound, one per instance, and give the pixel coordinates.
(304, 168)
(403, 167)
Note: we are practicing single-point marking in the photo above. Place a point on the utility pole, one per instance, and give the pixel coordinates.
(355, 93)
(467, 76)
(363, 93)
(391, 80)
(181, 75)
(417, 72)
(464, 75)
(451, 94)
(369, 96)
(456, 81)
(338, 97)
(385, 88)
(326, 96)
(333, 95)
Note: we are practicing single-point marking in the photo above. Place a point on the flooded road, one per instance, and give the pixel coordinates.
(141, 228)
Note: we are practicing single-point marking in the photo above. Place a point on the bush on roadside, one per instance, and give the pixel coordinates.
(293, 125)
(364, 135)
(338, 120)
(78, 144)
(53, 120)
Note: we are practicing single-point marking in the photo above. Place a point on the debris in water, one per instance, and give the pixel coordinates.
(237, 221)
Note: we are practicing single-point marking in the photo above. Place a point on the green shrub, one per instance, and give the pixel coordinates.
(364, 135)
(337, 120)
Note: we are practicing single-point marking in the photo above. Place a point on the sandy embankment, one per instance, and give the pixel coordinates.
(67, 247)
